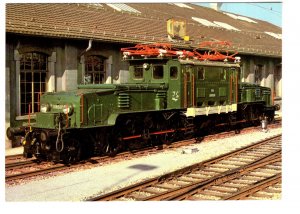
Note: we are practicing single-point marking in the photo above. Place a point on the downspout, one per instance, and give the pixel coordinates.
(83, 52)
(88, 48)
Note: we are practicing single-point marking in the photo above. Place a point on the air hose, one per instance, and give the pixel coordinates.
(59, 139)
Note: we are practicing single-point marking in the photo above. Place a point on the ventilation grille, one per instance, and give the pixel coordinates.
(124, 100)
(161, 95)
(257, 92)
(266, 92)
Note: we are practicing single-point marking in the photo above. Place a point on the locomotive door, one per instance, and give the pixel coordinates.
(233, 85)
(188, 87)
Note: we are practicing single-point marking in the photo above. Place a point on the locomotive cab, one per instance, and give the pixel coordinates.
(209, 87)
(147, 71)
(200, 87)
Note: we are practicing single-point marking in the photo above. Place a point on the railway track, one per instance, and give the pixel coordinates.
(13, 159)
(27, 169)
(236, 175)
(17, 168)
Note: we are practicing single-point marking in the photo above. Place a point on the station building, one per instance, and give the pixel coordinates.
(55, 47)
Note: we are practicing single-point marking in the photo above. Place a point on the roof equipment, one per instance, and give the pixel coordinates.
(166, 50)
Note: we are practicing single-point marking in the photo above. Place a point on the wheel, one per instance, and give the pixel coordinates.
(237, 131)
(270, 117)
(113, 142)
(72, 151)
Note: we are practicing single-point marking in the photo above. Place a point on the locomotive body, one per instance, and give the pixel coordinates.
(163, 100)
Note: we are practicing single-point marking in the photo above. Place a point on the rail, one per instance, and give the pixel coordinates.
(205, 173)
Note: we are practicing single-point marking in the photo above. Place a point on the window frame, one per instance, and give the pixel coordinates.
(32, 81)
(198, 69)
(141, 70)
(223, 73)
(96, 75)
(157, 77)
(171, 76)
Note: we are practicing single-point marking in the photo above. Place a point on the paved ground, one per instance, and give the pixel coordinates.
(76, 186)
(14, 151)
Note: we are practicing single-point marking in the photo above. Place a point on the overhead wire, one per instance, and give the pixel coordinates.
(266, 8)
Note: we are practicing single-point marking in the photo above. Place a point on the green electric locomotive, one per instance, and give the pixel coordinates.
(164, 99)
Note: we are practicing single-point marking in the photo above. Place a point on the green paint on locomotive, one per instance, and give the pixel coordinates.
(254, 93)
(52, 105)
(99, 119)
(200, 88)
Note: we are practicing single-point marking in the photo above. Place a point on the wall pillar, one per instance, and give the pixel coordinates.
(109, 75)
(244, 71)
(51, 73)
(251, 75)
(69, 77)
(270, 76)
(82, 64)
(278, 81)
(8, 143)
(17, 58)
(264, 75)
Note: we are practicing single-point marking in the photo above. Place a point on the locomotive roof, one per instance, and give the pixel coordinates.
(136, 60)
(144, 23)
(210, 63)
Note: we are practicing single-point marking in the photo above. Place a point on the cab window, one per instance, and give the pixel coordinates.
(200, 73)
(158, 72)
(138, 72)
(223, 74)
(173, 72)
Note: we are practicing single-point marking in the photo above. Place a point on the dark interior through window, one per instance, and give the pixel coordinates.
(158, 71)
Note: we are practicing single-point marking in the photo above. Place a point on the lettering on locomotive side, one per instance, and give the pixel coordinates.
(175, 96)
(58, 106)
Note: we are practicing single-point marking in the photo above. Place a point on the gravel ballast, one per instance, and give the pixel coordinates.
(77, 186)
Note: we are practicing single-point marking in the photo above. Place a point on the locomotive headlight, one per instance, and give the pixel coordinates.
(68, 109)
(45, 107)
(146, 66)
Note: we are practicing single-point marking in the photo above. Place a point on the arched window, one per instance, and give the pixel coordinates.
(33, 70)
(94, 70)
